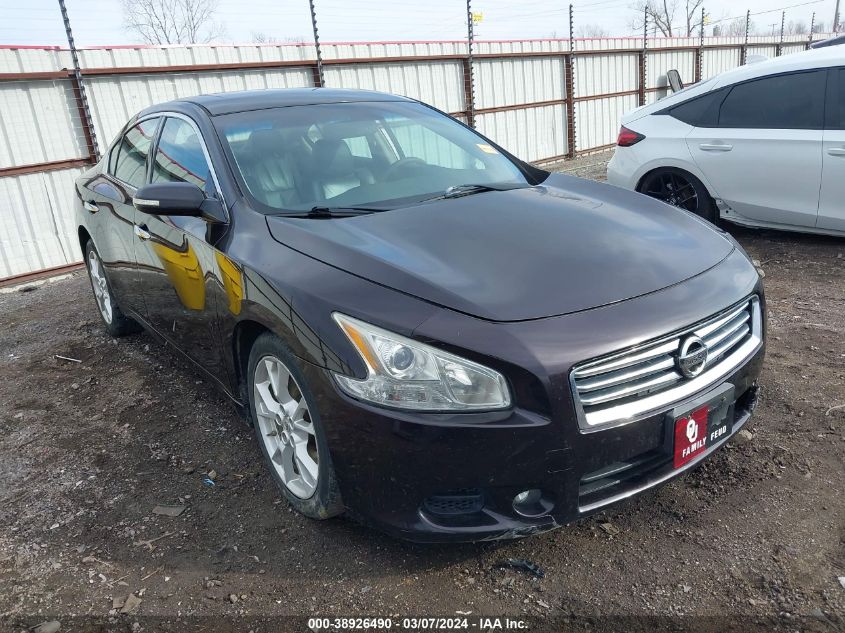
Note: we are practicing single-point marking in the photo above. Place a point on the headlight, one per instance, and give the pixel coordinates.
(410, 375)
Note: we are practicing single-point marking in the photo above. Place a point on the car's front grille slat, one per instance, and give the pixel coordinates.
(630, 383)
(621, 363)
(646, 385)
(729, 328)
(627, 374)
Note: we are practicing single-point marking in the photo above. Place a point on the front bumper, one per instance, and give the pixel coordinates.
(422, 478)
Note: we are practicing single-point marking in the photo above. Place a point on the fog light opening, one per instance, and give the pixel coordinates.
(532, 503)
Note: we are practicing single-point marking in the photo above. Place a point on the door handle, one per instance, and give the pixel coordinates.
(836, 151)
(716, 147)
(90, 206)
(142, 232)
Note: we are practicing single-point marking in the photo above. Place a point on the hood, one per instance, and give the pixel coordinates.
(564, 246)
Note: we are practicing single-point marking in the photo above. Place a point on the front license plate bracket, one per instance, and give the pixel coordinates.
(695, 426)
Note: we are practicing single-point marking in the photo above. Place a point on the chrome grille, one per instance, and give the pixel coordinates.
(629, 384)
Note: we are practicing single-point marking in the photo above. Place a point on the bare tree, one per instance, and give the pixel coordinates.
(670, 17)
(736, 28)
(592, 30)
(260, 37)
(796, 27)
(172, 21)
(819, 27)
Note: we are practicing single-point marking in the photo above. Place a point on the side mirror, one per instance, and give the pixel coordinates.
(675, 82)
(177, 198)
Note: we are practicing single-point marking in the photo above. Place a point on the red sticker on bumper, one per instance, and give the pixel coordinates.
(690, 436)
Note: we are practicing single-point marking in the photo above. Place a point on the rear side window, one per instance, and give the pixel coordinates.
(179, 157)
(783, 102)
(701, 111)
(840, 98)
(131, 163)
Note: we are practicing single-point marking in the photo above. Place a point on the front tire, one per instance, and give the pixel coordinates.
(290, 434)
(680, 189)
(117, 323)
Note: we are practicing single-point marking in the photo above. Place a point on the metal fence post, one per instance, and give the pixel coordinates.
(469, 75)
(700, 58)
(744, 51)
(812, 26)
(642, 66)
(317, 71)
(569, 87)
(79, 92)
(780, 41)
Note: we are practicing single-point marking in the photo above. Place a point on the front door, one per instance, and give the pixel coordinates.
(764, 157)
(176, 255)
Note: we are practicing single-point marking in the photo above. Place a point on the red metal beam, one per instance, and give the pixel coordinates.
(23, 278)
(37, 168)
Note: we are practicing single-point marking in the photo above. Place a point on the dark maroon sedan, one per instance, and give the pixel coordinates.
(425, 331)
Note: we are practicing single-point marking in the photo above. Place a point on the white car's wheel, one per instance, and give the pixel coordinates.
(680, 189)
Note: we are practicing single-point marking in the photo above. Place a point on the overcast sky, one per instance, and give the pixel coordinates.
(100, 22)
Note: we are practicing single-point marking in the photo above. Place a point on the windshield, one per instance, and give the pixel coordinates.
(366, 154)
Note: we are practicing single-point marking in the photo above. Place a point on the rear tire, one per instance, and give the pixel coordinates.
(289, 430)
(117, 324)
(680, 189)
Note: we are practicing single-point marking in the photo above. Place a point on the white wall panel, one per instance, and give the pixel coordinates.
(437, 83)
(530, 134)
(39, 123)
(37, 228)
(597, 120)
(501, 82)
(603, 74)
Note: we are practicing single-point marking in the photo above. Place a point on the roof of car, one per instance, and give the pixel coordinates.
(228, 102)
(803, 60)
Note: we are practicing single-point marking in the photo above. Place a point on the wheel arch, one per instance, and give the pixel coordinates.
(84, 237)
(244, 335)
(686, 168)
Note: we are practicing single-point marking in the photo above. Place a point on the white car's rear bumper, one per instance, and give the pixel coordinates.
(622, 170)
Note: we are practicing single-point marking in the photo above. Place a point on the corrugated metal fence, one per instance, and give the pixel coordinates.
(538, 98)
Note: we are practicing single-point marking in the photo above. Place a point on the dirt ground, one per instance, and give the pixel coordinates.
(753, 540)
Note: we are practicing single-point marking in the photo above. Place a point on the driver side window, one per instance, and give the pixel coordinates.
(179, 156)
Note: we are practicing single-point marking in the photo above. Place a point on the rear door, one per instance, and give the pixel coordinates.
(109, 200)
(832, 200)
(763, 154)
(176, 257)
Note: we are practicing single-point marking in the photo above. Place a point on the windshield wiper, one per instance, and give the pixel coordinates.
(457, 191)
(333, 212)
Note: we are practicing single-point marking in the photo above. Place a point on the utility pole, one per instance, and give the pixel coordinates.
(319, 79)
(79, 89)
(836, 18)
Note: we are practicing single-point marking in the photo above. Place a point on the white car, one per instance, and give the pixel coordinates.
(762, 145)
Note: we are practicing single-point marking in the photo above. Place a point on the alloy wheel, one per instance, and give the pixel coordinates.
(285, 427)
(673, 189)
(100, 286)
